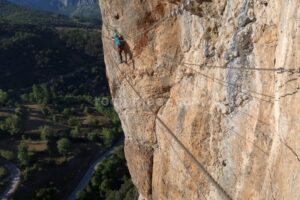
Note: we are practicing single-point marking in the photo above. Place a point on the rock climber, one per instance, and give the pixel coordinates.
(119, 42)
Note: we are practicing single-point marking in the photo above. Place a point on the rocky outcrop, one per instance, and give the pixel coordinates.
(211, 74)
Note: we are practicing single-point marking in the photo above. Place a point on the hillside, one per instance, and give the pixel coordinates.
(210, 101)
(56, 119)
(66, 52)
(38, 47)
(83, 9)
(13, 14)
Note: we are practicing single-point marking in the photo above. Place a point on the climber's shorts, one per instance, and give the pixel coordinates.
(120, 49)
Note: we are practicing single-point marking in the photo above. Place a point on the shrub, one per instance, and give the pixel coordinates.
(3, 172)
(46, 193)
(109, 136)
(111, 180)
(12, 125)
(8, 155)
(23, 154)
(67, 112)
(93, 136)
(63, 146)
(3, 96)
(54, 118)
(75, 132)
(25, 98)
(87, 110)
(46, 133)
(42, 94)
(74, 121)
(22, 112)
(106, 110)
(45, 111)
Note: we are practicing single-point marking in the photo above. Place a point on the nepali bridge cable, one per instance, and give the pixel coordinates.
(190, 155)
(216, 184)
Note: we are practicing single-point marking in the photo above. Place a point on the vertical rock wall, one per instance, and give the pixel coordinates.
(210, 75)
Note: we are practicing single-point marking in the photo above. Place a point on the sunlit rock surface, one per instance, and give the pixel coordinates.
(195, 72)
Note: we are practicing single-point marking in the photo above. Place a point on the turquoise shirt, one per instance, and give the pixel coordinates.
(117, 40)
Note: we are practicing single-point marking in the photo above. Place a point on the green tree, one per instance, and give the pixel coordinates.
(107, 136)
(36, 92)
(3, 96)
(93, 136)
(12, 125)
(22, 112)
(46, 193)
(98, 104)
(42, 94)
(111, 180)
(75, 132)
(8, 155)
(46, 133)
(25, 97)
(67, 112)
(87, 110)
(55, 118)
(126, 192)
(102, 105)
(74, 121)
(23, 154)
(3, 173)
(64, 146)
(46, 94)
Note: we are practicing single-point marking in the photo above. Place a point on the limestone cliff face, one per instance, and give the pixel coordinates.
(210, 75)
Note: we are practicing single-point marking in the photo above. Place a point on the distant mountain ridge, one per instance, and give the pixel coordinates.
(13, 14)
(84, 9)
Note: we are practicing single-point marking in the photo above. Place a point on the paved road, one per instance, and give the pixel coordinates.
(88, 175)
(13, 179)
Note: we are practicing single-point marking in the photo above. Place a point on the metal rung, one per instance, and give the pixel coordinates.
(177, 10)
(298, 72)
(187, 2)
(291, 72)
(173, 14)
(181, 8)
(280, 70)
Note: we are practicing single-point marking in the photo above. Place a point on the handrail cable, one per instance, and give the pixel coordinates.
(190, 155)
(200, 166)
(185, 167)
(225, 66)
(280, 139)
(234, 85)
(251, 91)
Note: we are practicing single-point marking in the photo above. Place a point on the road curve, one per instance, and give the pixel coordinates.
(88, 175)
(13, 179)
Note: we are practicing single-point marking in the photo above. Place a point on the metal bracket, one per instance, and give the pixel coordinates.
(280, 70)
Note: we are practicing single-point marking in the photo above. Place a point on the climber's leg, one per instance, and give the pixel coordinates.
(125, 56)
(120, 49)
